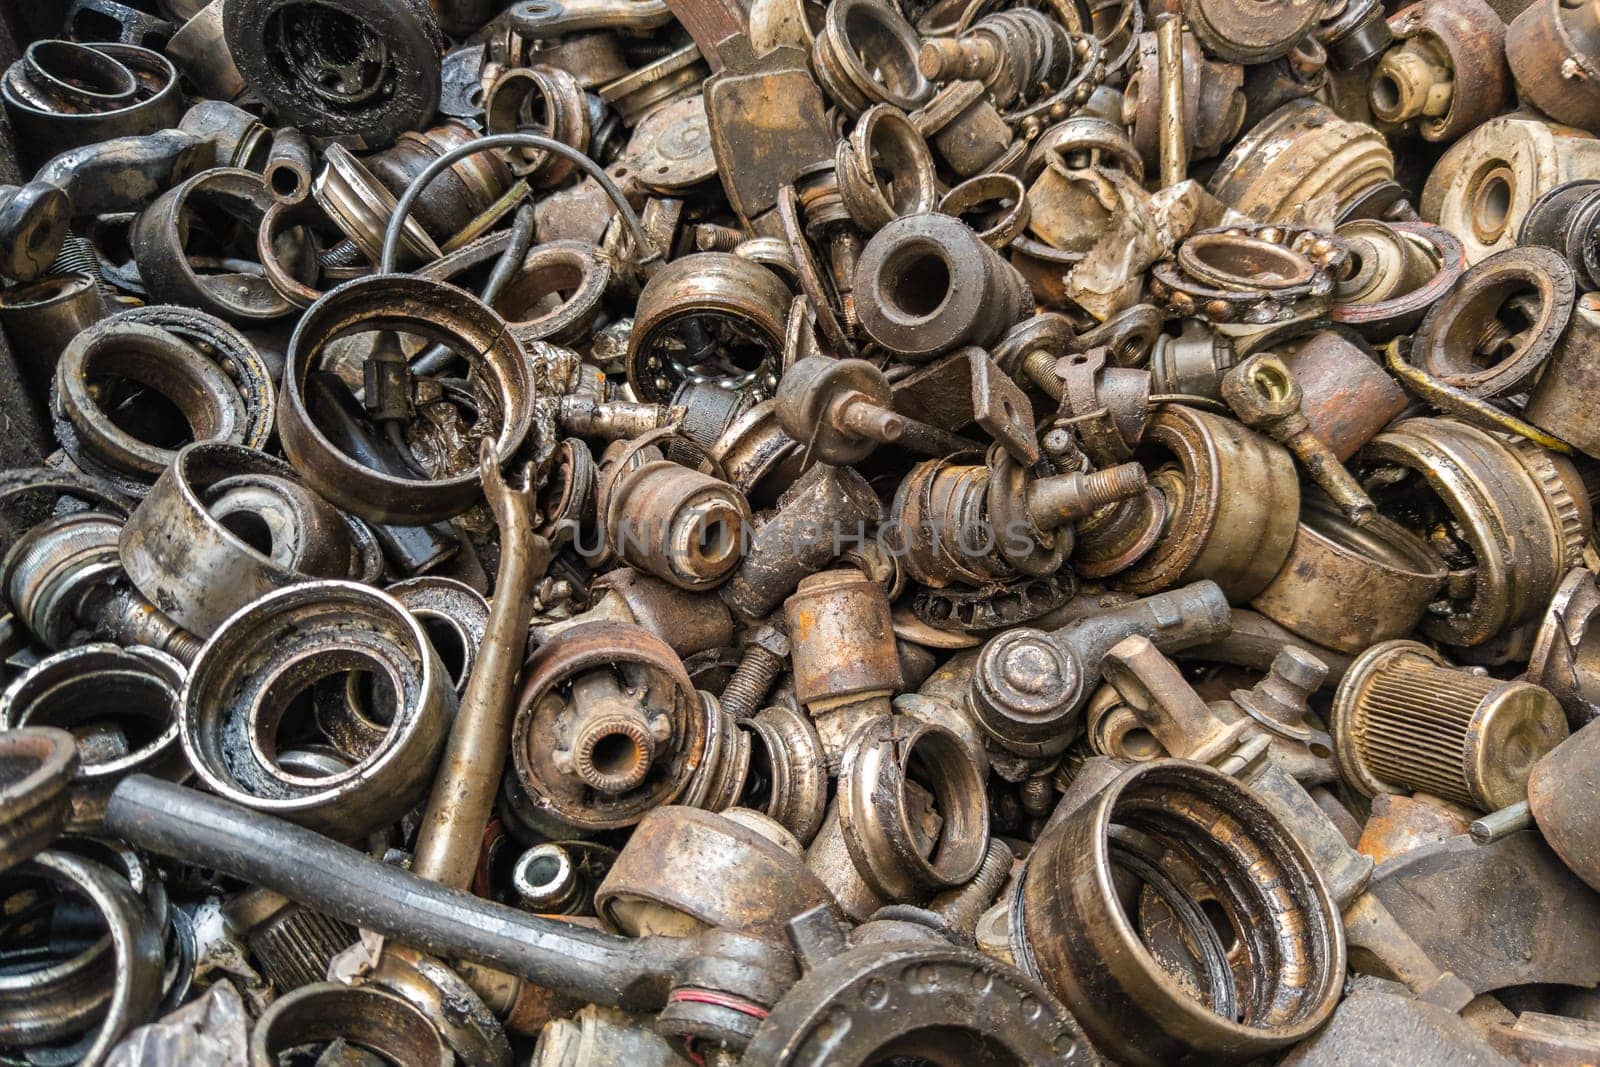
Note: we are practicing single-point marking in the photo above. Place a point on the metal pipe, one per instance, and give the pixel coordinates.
(1169, 60)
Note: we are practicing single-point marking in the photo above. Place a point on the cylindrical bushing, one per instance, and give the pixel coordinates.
(927, 284)
(1345, 587)
(1566, 402)
(1563, 789)
(1552, 48)
(841, 638)
(1405, 720)
(1346, 395)
(1233, 498)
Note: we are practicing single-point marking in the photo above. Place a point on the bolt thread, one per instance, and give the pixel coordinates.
(752, 679)
(77, 256)
(344, 254)
(710, 237)
(184, 646)
(962, 908)
(1112, 484)
(1040, 368)
(1036, 794)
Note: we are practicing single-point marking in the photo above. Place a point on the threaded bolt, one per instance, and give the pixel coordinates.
(1039, 367)
(710, 237)
(962, 908)
(764, 659)
(1064, 498)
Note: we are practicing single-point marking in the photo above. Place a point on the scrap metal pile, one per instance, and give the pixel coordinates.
(657, 532)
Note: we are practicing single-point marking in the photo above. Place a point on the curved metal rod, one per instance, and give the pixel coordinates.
(391, 234)
(342, 883)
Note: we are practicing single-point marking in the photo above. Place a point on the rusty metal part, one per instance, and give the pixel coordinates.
(1405, 719)
(289, 166)
(1259, 970)
(1301, 152)
(839, 410)
(1213, 106)
(48, 314)
(122, 709)
(966, 129)
(1446, 69)
(765, 656)
(556, 293)
(926, 284)
(1484, 186)
(1254, 274)
(1241, 32)
(788, 777)
(866, 53)
(199, 49)
(1027, 687)
(1491, 335)
(1472, 496)
(594, 1033)
(63, 577)
(994, 205)
(109, 20)
(708, 316)
(455, 616)
(61, 95)
(884, 168)
(1561, 787)
(1232, 500)
(41, 762)
(684, 870)
(1560, 403)
(1562, 655)
(239, 690)
(1346, 587)
(869, 1005)
(1563, 219)
(842, 649)
(438, 312)
(1266, 397)
(130, 955)
(34, 220)
(363, 1020)
(679, 524)
(1192, 363)
(545, 99)
(1550, 47)
(228, 206)
(1399, 270)
(473, 189)
(361, 206)
(1346, 396)
(225, 524)
(98, 375)
(910, 817)
(640, 93)
(1374, 1024)
(816, 514)
(1498, 915)
(607, 727)
(359, 71)
(1017, 54)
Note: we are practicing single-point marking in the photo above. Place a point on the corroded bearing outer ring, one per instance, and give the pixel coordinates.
(1252, 273)
(130, 981)
(217, 406)
(704, 283)
(1446, 342)
(932, 1003)
(577, 272)
(852, 29)
(98, 682)
(994, 191)
(1399, 312)
(185, 558)
(1345, 587)
(1234, 506)
(363, 1015)
(158, 237)
(796, 764)
(875, 809)
(1070, 929)
(439, 312)
(264, 655)
(566, 115)
(885, 141)
(712, 868)
(1523, 513)
(33, 799)
(645, 662)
